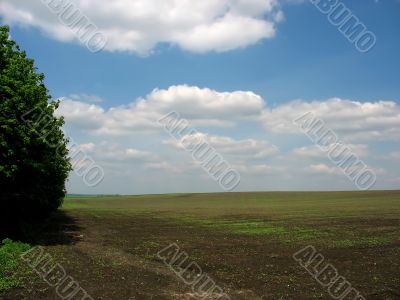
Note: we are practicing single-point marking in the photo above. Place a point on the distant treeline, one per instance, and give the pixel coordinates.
(87, 196)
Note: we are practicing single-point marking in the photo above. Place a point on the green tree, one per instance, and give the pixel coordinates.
(34, 163)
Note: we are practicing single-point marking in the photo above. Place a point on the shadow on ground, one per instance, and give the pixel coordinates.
(59, 229)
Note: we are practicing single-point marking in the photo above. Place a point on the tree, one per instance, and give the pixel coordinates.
(34, 163)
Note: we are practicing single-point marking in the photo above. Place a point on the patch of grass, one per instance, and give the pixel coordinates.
(151, 256)
(74, 205)
(306, 234)
(148, 249)
(362, 242)
(10, 264)
(259, 227)
(376, 241)
(150, 244)
(245, 227)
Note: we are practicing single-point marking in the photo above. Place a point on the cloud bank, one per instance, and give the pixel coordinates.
(128, 141)
(140, 25)
(201, 106)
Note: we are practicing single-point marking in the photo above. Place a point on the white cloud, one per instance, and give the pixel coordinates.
(314, 151)
(86, 98)
(262, 169)
(125, 157)
(322, 169)
(333, 170)
(115, 153)
(245, 149)
(162, 166)
(203, 107)
(394, 156)
(309, 151)
(351, 119)
(395, 180)
(87, 148)
(140, 25)
(81, 115)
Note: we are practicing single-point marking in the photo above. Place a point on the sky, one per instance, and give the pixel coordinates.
(239, 71)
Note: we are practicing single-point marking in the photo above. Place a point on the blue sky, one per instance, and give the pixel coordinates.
(300, 56)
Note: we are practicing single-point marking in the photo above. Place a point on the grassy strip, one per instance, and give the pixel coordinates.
(11, 265)
(291, 234)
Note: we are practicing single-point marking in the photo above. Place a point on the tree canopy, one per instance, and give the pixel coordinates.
(34, 163)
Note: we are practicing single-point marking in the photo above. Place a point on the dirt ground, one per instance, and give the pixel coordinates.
(114, 256)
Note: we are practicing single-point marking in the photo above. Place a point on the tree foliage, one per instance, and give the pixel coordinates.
(34, 162)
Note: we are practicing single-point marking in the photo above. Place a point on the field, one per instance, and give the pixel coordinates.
(244, 241)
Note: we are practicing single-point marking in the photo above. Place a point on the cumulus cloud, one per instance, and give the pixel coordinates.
(164, 166)
(261, 169)
(80, 114)
(140, 25)
(130, 154)
(322, 169)
(113, 153)
(333, 170)
(394, 155)
(124, 157)
(351, 119)
(245, 149)
(109, 156)
(202, 107)
(87, 148)
(86, 98)
(205, 108)
(315, 151)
